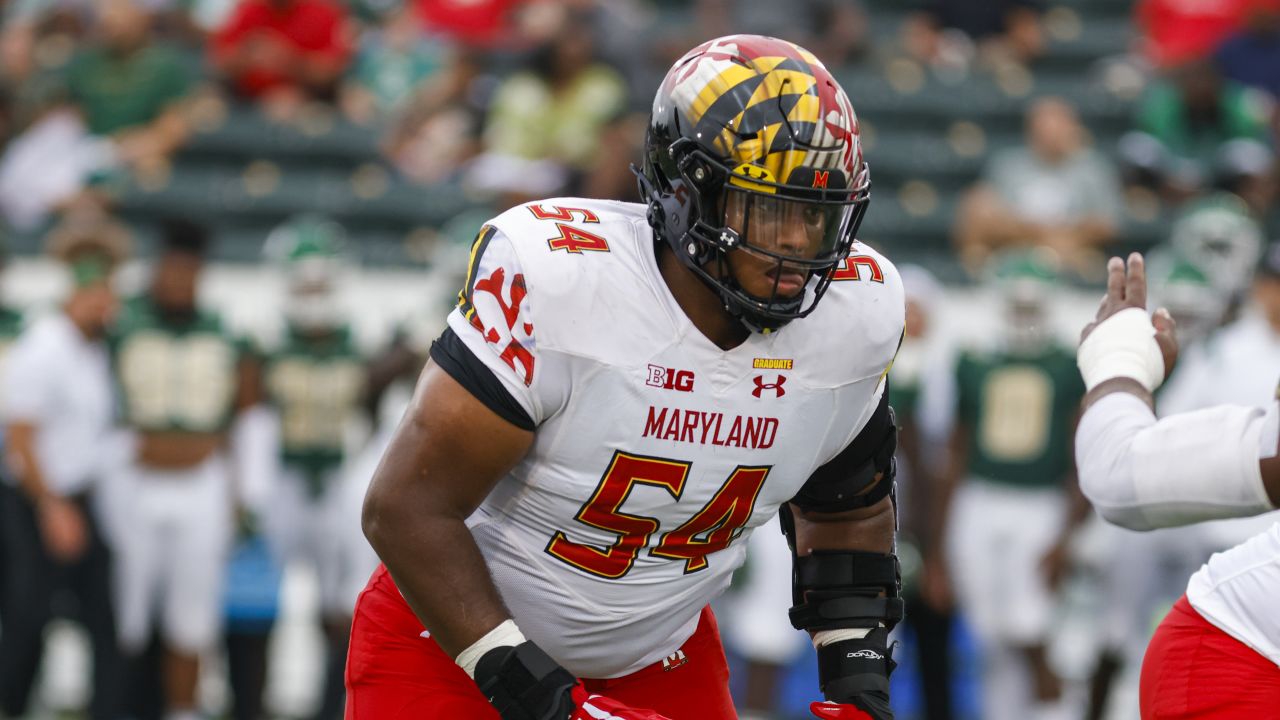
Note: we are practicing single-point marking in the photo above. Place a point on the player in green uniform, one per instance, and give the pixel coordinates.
(316, 383)
(1007, 505)
(182, 376)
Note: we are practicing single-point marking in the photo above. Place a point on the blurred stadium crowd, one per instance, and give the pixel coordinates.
(335, 148)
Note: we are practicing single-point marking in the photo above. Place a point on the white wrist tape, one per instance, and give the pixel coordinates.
(1123, 345)
(505, 635)
(826, 637)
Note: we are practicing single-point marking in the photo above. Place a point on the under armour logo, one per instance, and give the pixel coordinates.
(776, 387)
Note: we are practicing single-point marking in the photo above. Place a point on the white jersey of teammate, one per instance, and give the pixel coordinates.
(1236, 589)
(656, 451)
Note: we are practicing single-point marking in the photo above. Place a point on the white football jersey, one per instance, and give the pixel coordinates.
(1237, 591)
(655, 451)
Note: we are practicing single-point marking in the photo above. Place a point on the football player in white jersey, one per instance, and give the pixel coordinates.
(623, 393)
(1217, 653)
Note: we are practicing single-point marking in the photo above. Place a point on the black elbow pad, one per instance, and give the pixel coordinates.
(836, 486)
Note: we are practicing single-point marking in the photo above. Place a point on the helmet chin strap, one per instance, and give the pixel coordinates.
(752, 320)
(724, 286)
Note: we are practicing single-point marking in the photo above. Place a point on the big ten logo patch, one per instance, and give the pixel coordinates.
(670, 378)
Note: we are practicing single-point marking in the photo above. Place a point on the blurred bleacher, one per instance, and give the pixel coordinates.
(927, 137)
(244, 174)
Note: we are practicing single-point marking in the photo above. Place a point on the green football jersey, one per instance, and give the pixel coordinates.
(904, 395)
(1021, 412)
(174, 376)
(10, 328)
(316, 385)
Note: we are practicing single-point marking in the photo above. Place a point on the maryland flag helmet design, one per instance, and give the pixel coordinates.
(751, 138)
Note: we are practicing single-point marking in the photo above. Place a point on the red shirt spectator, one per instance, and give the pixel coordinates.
(270, 45)
(1177, 31)
(479, 23)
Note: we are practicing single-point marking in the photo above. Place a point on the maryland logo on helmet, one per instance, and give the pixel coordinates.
(759, 116)
(770, 108)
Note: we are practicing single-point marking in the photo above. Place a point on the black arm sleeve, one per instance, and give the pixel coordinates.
(835, 486)
(453, 356)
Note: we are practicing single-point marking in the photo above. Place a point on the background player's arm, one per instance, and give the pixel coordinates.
(26, 385)
(250, 385)
(381, 371)
(20, 439)
(61, 523)
(1142, 473)
(445, 457)
(1055, 563)
(935, 580)
(253, 439)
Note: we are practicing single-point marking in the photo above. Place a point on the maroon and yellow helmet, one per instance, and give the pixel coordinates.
(761, 118)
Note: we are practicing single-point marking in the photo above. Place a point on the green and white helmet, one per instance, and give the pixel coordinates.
(310, 251)
(1026, 281)
(1186, 291)
(1220, 236)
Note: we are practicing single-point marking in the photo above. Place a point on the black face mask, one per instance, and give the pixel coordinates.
(750, 219)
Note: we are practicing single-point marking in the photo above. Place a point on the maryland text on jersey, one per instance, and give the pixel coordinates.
(710, 428)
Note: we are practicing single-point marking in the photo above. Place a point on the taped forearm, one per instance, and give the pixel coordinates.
(1143, 474)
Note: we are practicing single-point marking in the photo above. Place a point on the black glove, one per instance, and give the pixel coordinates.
(856, 672)
(524, 683)
(874, 704)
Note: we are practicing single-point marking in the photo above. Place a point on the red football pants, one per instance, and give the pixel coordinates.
(393, 673)
(1193, 669)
